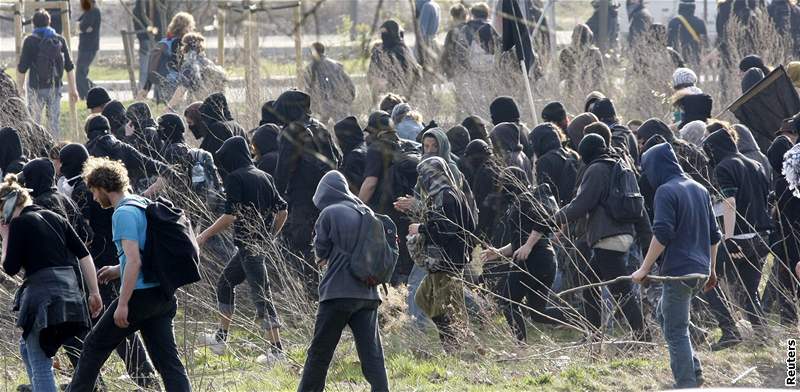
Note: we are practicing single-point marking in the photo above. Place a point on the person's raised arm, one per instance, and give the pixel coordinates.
(222, 223)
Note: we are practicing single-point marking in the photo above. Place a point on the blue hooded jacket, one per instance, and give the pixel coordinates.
(683, 220)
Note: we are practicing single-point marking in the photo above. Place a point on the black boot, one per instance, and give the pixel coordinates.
(730, 337)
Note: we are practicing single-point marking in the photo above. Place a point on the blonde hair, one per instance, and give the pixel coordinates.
(105, 174)
(181, 24)
(415, 115)
(11, 184)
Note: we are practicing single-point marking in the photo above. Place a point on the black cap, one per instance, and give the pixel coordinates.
(97, 123)
(604, 109)
(554, 112)
(97, 97)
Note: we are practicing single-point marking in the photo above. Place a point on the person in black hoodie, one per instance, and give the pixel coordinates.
(621, 136)
(265, 144)
(354, 151)
(459, 138)
(481, 172)
(692, 160)
(11, 158)
(505, 109)
(687, 33)
(218, 124)
(745, 190)
(694, 107)
(141, 132)
(102, 144)
(555, 165)
(294, 106)
(117, 117)
(131, 351)
(39, 175)
(507, 143)
(609, 239)
(392, 66)
(476, 128)
(257, 212)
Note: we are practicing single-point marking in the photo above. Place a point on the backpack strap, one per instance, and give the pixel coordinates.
(689, 28)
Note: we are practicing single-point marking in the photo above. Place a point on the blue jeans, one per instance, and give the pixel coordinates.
(46, 98)
(414, 279)
(673, 315)
(38, 365)
(144, 61)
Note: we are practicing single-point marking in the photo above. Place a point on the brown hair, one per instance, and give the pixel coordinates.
(55, 151)
(105, 174)
(480, 11)
(458, 11)
(715, 125)
(41, 18)
(181, 24)
(193, 41)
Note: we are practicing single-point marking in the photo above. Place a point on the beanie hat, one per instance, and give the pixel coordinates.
(554, 112)
(752, 61)
(682, 78)
(693, 132)
(504, 109)
(593, 97)
(97, 123)
(604, 109)
(97, 97)
(793, 69)
(116, 114)
(591, 147)
(751, 78)
(348, 126)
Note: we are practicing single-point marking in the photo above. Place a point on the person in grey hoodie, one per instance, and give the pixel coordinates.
(748, 147)
(343, 299)
(686, 237)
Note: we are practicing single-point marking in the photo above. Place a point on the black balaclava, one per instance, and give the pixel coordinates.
(10, 147)
(393, 35)
(654, 127)
(72, 158)
(592, 148)
(140, 116)
(751, 78)
(504, 109)
(459, 139)
(506, 137)
(171, 128)
(96, 127)
(554, 112)
(268, 114)
(718, 146)
(349, 134)
(476, 128)
(115, 112)
(293, 106)
(605, 111)
(265, 138)
(39, 175)
(199, 127)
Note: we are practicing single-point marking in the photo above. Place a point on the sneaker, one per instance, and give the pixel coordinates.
(727, 340)
(213, 342)
(271, 358)
(698, 377)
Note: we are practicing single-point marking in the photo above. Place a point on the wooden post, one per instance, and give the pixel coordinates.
(221, 36)
(604, 39)
(73, 110)
(353, 19)
(551, 30)
(249, 72)
(127, 45)
(18, 12)
(298, 42)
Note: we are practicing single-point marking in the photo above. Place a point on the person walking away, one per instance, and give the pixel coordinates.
(131, 351)
(609, 236)
(639, 20)
(344, 300)
(45, 57)
(612, 32)
(142, 306)
(249, 193)
(198, 75)
(165, 59)
(149, 27)
(50, 304)
(686, 237)
(428, 15)
(329, 86)
(88, 45)
(141, 132)
(580, 65)
(555, 165)
(745, 189)
(392, 66)
(218, 123)
(687, 33)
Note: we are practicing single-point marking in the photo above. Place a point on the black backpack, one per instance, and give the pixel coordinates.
(403, 170)
(568, 176)
(171, 255)
(374, 257)
(624, 202)
(49, 59)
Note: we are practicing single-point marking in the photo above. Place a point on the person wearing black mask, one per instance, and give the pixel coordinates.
(694, 107)
(265, 144)
(117, 117)
(692, 160)
(294, 107)
(505, 110)
(72, 158)
(39, 175)
(170, 130)
(252, 201)
(392, 66)
(745, 190)
(141, 132)
(476, 128)
(11, 158)
(218, 124)
(556, 113)
(622, 137)
(102, 144)
(354, 151)
(507, 143)
(481, 173)
(555, 165)
(609, 239)
(459, 138)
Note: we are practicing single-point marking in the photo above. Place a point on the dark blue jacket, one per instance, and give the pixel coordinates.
(684, 220)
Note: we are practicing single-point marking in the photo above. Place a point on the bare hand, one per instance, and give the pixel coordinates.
(73, 96)
(523, 252)
(95, 305)
(490, 254)
(404, 204)
(121, 316)
(413, 229)
(129, 130)
(639, 276)
(108, 274)
(734, 250)
(321, 263)
(711, 282)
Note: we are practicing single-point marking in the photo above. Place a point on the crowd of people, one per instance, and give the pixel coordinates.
(623, 216)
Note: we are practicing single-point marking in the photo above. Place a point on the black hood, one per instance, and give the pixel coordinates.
(393, 35)
(776, 151)
(268, 114)
(515, 33)
(686, 9)
(653, 127)
(171, 128)
(39, 175)
(753, 61)
(592, 148)
(10, 147)
(97, 126)
(751, 78)
(459, 139)
(718, 146)
(234, 154)
(514, 182)
(476, 128)
(544, 138)
(115, 112)
(265, 138)
(140, 116)
(293, 106)
(349, 134)
(72, 158)
(477, 149)
(215, 109)
(506, 137)
(504, 109)
(696, 107)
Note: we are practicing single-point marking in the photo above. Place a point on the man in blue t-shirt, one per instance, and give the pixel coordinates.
(141, 306)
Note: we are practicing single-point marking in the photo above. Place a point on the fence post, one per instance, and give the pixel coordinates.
(220, 36)
(127, 46)
(73, 110)
(18, 11)
(298, 42)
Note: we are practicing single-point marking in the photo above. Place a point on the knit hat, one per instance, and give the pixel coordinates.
(504, 109)
(592, 146)
(751, 78)
(793, 69)
(693, 132)
(593, 97)
(682, 78)
(97, 123)
(348, 126)
(576, 126)
(604, 109)
(554, 112)
(752, 61)
(97, 97)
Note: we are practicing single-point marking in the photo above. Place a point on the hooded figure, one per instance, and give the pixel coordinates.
(219, 123)
(459, 138)
(753, 61)
(36, 141)
(476, 128)
(481, 172)
(268, 114)
(751, 78)
(695, 107)
(294, 106)
(622, 137)
(392, 67)
(265, 141)
(505, 109)
(694, 132)
(692, 160)
(234, 155)
(555, 166)
(145, 135)
(11, 158)
(117, 117)
(747, 145)
(639, 20)
(687, 33)
(171, 129)
(576, 126)
(194, 121)
(506, 140)
(515, 34)
(351, 139)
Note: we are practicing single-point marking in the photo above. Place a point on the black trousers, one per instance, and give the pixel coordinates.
(85, 59)
(332, 317)
(298, 233)
(744, 276)
(131, 350)
(149, 312)
(605, 265)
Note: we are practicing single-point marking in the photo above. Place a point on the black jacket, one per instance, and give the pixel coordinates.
(27, 62)
(679, 37)
(139, 165)
(219, 123)
(506, 140)
(555, 165)
(89, 24)
(299, 168)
